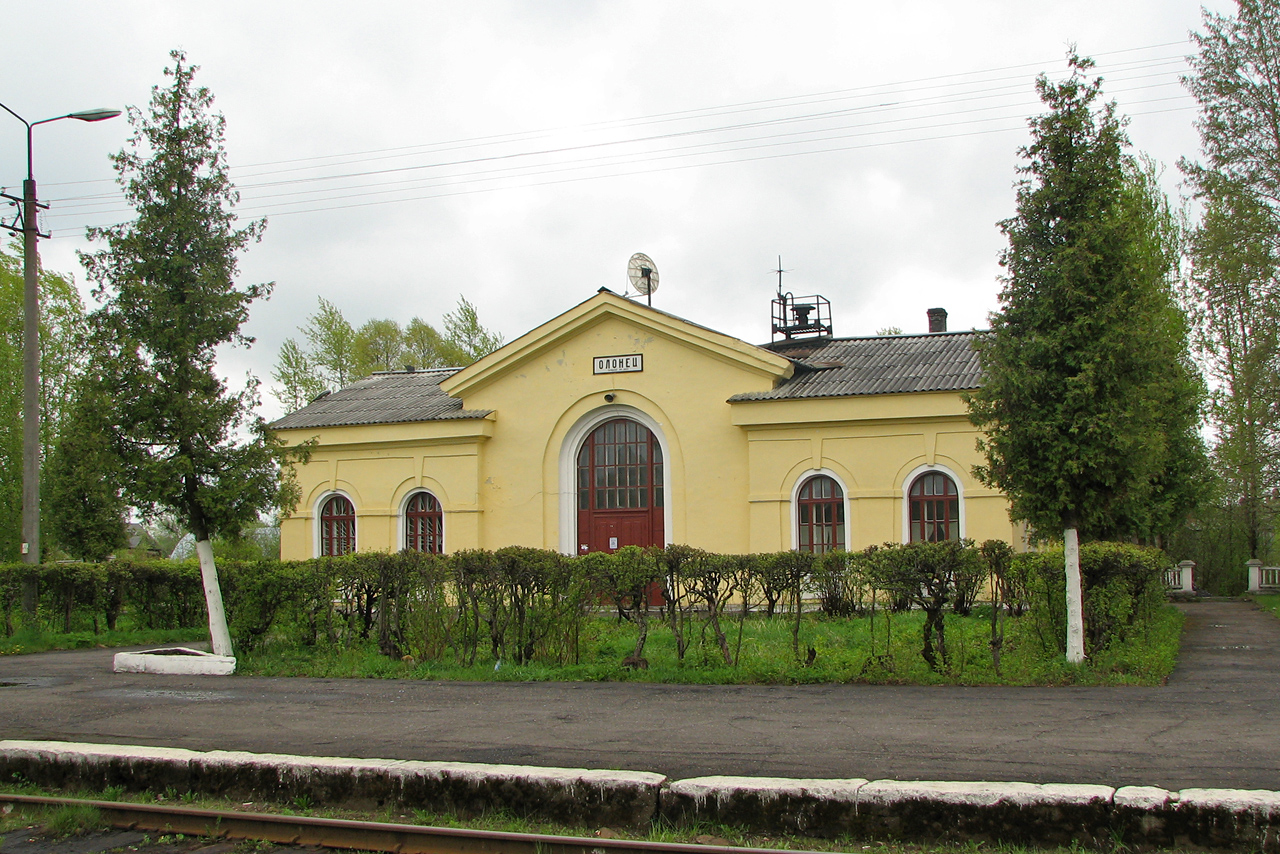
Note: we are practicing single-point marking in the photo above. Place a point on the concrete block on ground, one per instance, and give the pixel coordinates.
(64, 765)
(1140, 815)
(569, 795)
(175, 661)
(766, 804)
(1227, 818)
(1050, 813)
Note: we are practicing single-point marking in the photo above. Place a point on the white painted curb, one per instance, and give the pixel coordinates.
(175, 661)
(1027, 813)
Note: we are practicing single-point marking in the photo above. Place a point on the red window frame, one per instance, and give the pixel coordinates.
(820, 515)
(337, 526)
(620, 467)
(424, 524)
(934, 508)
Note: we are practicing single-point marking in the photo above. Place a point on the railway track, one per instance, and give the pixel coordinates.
(358, 835)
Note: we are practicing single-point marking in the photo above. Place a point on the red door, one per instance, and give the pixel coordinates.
(620, 488)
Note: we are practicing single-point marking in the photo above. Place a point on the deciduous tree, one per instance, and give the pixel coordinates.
(424, 346)
(62, 330)
(1236, 79)
(1233, 292)
(338, 354)
(332, 346)
(379, 346)
(86, 506)
(297, 379)
(462, 329)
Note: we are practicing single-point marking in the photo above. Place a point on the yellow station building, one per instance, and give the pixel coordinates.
(616, 423)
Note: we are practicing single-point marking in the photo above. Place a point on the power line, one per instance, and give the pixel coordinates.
(251, 213)
(684, 115)
(975, 99)
(88, 202)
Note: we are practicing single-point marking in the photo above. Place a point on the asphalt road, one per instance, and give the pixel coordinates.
(1212, 725)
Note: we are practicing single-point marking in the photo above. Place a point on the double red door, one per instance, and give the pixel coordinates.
(620, 488)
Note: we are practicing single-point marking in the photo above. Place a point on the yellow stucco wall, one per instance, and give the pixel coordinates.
(874, 446)
(731, 469)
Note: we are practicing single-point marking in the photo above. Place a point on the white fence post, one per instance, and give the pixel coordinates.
(1255, 573)
(1186, 574)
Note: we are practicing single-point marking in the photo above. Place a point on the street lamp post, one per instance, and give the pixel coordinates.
(27, 223)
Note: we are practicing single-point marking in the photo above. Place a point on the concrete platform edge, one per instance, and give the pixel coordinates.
(1027, 813)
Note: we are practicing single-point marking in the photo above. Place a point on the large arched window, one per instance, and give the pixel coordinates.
(584, 529)
(820, 515)
(934, 507)
(424, 524)
(620, 487)
(337, 526)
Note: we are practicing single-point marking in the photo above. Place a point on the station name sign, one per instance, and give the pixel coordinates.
(619, 364)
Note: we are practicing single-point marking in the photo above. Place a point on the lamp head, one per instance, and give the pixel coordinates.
(94, 115)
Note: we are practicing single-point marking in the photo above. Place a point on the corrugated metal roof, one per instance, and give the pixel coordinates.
(390, 397)
(832, 367)
(888, 364)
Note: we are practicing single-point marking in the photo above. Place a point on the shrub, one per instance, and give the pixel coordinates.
(1122, 586)
(930, 576)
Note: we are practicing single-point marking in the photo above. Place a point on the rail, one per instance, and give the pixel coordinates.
(1263, 579)
(358, 835)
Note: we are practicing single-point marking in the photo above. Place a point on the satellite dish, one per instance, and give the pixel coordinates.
(643, 274)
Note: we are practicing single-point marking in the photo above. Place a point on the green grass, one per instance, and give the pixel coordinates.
(845, 651)
(73, 820)
(1268, 602)
(28, 639)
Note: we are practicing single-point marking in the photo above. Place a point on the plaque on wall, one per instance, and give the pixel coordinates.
(618, 364)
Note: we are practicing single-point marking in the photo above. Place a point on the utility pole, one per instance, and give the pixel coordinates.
(28, 223)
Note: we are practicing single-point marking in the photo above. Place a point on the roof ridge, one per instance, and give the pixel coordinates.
(824, 340)
(416, 370)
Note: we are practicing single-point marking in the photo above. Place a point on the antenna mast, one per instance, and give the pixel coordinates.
(800, 317)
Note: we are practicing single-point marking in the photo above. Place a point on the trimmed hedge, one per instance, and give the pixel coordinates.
(531, 605)
(1123, 585)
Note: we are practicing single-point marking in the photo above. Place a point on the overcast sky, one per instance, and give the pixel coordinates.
(406, 153)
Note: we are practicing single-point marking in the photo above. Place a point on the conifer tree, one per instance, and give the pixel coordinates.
(167, 282)
(1085, 356)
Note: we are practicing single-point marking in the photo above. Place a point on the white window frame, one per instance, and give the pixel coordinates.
(929, 468)
(795, 504)
(319, 508)
(402, 519)
(569, 448)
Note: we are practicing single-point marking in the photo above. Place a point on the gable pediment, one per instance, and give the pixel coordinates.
(605, 306)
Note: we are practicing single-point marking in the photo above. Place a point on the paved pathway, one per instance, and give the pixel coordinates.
(1213, 725)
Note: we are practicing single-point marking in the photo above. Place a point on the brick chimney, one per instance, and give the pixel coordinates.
(937, 320)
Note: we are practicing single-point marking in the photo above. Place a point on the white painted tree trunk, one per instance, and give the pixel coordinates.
(218, 633)
(1075, 603)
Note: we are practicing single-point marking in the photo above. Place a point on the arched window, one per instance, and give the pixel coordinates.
(820, 515)
(934, 508)
(620, 487)
(337, 526)
(424, 524)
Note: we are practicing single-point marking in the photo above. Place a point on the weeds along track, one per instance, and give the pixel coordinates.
(357, 835)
